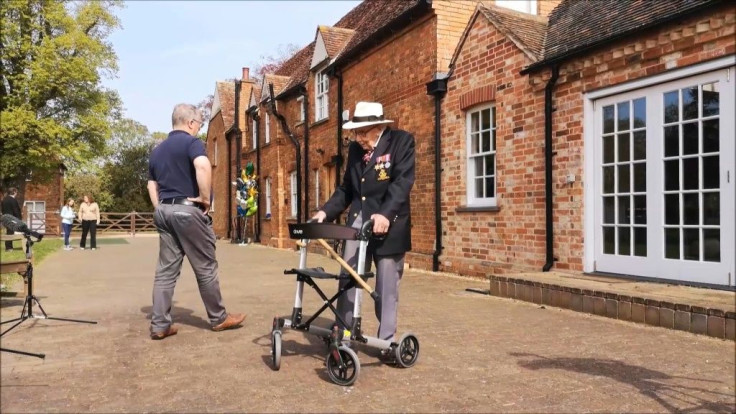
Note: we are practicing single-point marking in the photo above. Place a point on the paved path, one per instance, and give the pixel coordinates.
(478, 353)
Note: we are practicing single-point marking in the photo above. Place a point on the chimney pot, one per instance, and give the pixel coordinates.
(246, 74)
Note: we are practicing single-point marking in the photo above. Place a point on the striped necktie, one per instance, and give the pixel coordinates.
(367, 157)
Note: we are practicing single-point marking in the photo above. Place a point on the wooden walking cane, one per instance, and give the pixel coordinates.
(346, 266)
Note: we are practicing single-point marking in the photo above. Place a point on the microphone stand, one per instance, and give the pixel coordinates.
(27, 312)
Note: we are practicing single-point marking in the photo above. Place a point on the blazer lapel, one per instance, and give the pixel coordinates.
(379, 150)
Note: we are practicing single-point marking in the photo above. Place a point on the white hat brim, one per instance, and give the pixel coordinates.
(356, 125)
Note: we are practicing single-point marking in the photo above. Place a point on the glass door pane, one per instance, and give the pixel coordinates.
(691, 162)
(624, 198)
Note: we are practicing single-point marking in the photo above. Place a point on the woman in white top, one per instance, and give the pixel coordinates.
(67, 219)
(89, 213)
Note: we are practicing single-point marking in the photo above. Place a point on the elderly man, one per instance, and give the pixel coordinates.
(378, 178)
(179, 182)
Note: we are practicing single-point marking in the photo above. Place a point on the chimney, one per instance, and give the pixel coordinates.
(246, 74)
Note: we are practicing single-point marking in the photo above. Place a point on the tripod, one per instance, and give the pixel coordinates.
(27, 312)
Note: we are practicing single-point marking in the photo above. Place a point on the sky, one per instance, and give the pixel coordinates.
(174, 51)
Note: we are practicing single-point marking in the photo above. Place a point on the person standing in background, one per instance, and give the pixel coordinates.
(11, 206)
(67, 219)
(89, 214)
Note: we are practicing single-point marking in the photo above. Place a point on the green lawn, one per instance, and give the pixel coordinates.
(40, 252)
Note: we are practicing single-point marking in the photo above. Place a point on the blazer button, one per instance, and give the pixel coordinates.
(362, 198)
(362, 180)
(355, 214)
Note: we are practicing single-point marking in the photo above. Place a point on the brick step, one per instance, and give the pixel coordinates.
(684, 315)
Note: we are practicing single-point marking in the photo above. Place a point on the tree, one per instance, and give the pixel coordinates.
(53, 108)
(272, 62)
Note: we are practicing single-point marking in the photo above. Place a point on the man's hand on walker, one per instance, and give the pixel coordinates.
(380, 224)
(320, 216)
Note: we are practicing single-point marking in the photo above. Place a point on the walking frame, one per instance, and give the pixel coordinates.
(27, 311)
(343, 366)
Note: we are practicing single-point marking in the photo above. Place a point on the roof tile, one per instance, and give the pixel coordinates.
(226, 93)
(525, 30)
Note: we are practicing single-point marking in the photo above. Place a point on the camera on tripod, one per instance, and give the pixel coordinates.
(16, 225)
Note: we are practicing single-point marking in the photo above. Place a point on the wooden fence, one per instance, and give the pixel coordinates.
(130, 223)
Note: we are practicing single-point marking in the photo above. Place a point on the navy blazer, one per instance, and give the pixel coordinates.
(380, 187)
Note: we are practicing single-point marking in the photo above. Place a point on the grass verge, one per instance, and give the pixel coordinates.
(40, 252)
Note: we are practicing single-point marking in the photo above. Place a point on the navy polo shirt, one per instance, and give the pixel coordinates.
(171, 165)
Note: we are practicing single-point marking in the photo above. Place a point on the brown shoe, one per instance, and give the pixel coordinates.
(157, 336)
(232, 320)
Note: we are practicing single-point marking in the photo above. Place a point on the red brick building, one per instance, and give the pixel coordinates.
(42, 201)
(225, 140)
(632, 129)
(537, 168)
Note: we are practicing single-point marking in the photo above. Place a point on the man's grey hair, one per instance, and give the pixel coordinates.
(184, 113)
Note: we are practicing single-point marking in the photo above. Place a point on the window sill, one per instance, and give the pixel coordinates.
(320, 122)
(483, 209)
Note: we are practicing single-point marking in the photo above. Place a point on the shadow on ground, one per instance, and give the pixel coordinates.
(648, 382)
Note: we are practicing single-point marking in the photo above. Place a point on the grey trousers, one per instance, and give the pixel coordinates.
(389, 270)
(184, 230)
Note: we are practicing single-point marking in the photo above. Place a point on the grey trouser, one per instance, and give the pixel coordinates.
(389, 270)
(184, 230)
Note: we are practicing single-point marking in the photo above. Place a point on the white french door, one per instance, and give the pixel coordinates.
(664, 180)
(36, 215)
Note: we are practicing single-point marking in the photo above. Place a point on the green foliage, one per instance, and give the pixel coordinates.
(53, 107)
(118, 178)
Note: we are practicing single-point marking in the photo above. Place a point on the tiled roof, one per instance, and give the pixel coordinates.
(278, 83)
(296, 68)
(367, 18)
(525, 30)
(347, 34)
(575, 24)
(256, 93)
(335, 39)
(226, 94)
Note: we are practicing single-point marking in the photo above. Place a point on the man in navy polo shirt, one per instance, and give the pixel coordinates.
(179, 182)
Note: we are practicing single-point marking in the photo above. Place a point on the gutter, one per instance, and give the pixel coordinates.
(438, 88)
(238, 138)
(297, 149)
(548, 110)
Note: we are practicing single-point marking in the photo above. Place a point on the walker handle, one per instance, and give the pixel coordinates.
(366, 230)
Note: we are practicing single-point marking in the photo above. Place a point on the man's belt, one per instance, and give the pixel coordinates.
(181, 201)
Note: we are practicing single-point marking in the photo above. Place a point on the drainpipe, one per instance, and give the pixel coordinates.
(229, 193)
(305, 102)
(548, 110)
(238, 146)
(338, 143)
(438, 88)
(297, 149)
(254, 115)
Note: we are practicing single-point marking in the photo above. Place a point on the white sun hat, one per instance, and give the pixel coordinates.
(366, 114)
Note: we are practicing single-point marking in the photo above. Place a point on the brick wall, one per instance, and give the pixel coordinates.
(478, 243)
(52, 193)
(452, 17)
(545, 7)
(217, 144)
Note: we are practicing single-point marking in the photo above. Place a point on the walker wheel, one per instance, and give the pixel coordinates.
(343, 366)
(407, 350)
(276, 349)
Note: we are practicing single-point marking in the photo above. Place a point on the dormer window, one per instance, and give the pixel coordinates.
(321, 100)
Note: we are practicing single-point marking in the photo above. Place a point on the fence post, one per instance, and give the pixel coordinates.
(132, 223)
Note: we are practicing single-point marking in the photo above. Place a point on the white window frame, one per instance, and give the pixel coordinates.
(472, 199)
(653, 88)
(36, 215)
(268, 197)
(293, 201)
(268, 128)
(254, 127)
(316, 189)
(214, 153)
(302, 112)
(524, 6)
(321, 95)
